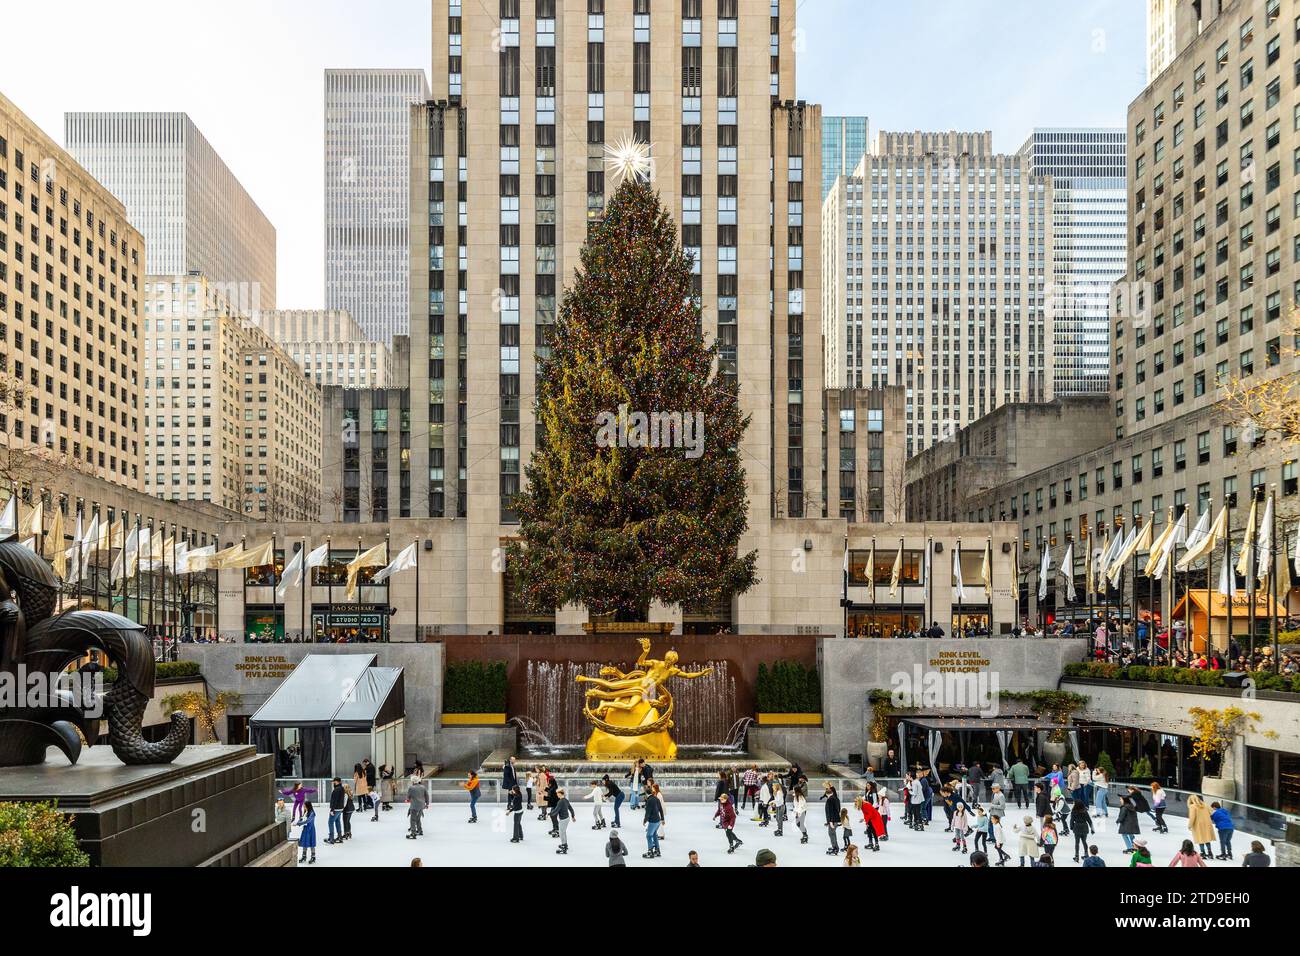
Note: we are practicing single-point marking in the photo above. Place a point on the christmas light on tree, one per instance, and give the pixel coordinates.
(616, 524)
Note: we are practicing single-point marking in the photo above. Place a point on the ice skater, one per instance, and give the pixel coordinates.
(307, 836)
(597, 797)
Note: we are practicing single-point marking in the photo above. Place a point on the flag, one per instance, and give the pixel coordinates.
(1247, 546)
(259, 556)
(1158, 556)
(58, 557)
(292, 575)
(33, 526)
(203, 559)
(1043, 570)
(897, 573)
(405, 561)
(1067, 569)
(374, 558)
(90, 543)
(959, 587)
(986, 568)
(1227, 579)
(1296, 564)
(1199, 546)
(124, 563)
(1264, 550)
(9, 518)
(1132, 545)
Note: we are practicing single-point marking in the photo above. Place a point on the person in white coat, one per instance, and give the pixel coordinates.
(801, 812)
(597, 797)
(1027, 843)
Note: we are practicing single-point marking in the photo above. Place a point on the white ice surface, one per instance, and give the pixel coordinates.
(449, 840)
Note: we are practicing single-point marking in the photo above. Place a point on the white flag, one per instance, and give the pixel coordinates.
(1043, 572)
(1264, 551)
(404, 561)
(196, 560)
(959, 587)
(1174, 535)
(90, 542)
(1227, 579)
(1296, 560)
(1067, 570)
(9, 518)
(292, 575)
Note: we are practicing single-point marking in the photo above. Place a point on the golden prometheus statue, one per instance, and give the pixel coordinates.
(632, 712)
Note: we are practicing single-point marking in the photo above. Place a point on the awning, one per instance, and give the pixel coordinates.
(317, 690)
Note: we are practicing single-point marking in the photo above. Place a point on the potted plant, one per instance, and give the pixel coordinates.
(878, 728)
(1217, 731)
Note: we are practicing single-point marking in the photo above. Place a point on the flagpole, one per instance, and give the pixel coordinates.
(957, 632)
(1252, 585)
(1209, 589)
(417, 588)
(329, 583)
(275, 598)
(306, 583)
(929, 577)
(388, 559)
(1272, 575)
(902, 615)
(1232, 572)
(988, 585)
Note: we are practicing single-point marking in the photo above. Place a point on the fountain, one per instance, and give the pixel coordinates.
(706, 707)
(531, 737)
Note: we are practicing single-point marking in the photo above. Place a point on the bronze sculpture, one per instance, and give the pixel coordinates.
(34, 640)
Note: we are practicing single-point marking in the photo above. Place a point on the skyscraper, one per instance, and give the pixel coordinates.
(1089, 244)
(367, 189)
(1161, 33)
(70, 331)
(844, 143)
(194, 214)
(508, 170)
(938, 252)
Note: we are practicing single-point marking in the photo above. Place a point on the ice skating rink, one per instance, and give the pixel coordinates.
(449, 840)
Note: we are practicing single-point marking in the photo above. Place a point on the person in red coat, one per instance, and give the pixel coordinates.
(726, 814)
(875, 825)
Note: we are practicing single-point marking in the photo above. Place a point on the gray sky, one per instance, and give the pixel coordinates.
(250, 74)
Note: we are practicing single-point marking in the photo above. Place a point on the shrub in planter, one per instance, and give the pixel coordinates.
(787, 687)
(475, 687)
(37, 834)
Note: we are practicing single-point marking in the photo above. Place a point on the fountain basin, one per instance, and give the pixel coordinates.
(694, 761)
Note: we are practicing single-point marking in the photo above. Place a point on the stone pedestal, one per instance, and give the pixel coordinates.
(213, 806)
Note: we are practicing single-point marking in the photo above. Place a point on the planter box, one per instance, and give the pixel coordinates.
(797, 720)
(473, 720)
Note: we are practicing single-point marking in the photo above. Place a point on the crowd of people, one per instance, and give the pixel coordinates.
(990, 818)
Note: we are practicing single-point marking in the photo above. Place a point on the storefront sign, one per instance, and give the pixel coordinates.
(264, 667)
(959, 662)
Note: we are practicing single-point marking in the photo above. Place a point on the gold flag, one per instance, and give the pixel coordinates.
(256, 557)
(1208, 543)
(897, 573)
(1248, 542)
(376, 557)
(59, 558)
(209, 562)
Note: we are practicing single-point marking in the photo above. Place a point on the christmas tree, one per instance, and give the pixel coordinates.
(636, 491)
